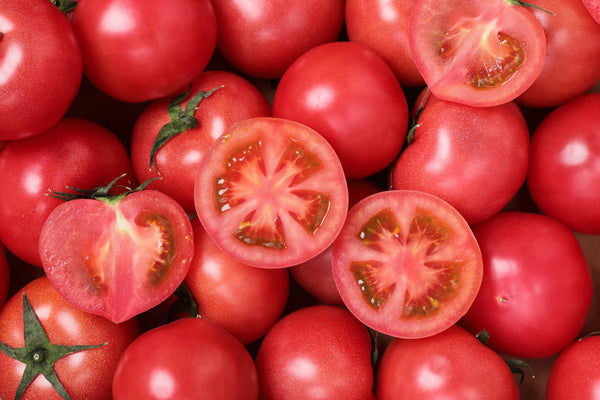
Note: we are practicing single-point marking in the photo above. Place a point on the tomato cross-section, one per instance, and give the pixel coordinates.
(271, 193)
(406, 263)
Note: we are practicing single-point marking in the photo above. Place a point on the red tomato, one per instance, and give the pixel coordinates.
(481, 53)
(450, 365)
(40, 67)
(347, 93)
(564, 169)
(149, 49)
(262, 38)
(75, 153)
(314, 353)
(531, 265)
(572, 65)
(190, 358)
(271, 193)
(244, 300)
(316, 275)
(575, 373)
(4, 276)
(406, 263)
(475, 158)
(593, 8)
(85, 374)
(117, 257)
(177, 162)
(383, 26)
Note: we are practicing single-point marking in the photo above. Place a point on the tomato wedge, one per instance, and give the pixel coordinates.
(479, 53)
(271, 193)
(407, 264)
(117, 259)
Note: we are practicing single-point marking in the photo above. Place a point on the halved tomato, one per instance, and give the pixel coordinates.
(117, 258)
(271, 193)
(479, 53)
(407, 264)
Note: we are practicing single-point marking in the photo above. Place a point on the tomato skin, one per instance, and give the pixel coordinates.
(316, 352)
(125, 258)
(475, 158)
(593, 8)
(451, 365)
(383, 26)
(40, 59)
(182, 40)
(395, 263)
(75, 153)
(564, 164)
(574, 373)
(347, 93)
(244, 300)
(482, 53)
(262, 38)
(190, 358)
(178, 160)
(531, 265)
(572, 65)
(86, 374)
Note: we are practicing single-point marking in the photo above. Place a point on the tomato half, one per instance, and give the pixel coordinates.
(117, 259)
(479, 53)
(593, 8)
(406, 263)
(271, 193)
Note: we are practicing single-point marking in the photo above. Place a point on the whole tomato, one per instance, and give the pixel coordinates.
(76, 352)
(40, 67)
(190, 358)
(75, 153)
(149, 49)
(262, 38)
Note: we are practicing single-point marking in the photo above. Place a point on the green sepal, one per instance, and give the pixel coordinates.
(184, 302)
(64, 5)
(181, 120)
(39, 354)
(530, 5)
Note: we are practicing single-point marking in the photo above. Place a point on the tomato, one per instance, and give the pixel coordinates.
(383, 26)
(475, 158)
(244, 300)
(189, 358)
(262, 38)
(75, 153)
(572, 65)
(317, 352)
(564, 169)
(347, 93)
(117, 257)
(450, 365)
(406, 263)
(4, 276)
(574, 373)
(141, 60)
(176, 162)
(40, 67)
(271, 193)
(535, 276)
(593, 8)
(316, 275)
(480, 53)
(86, 348)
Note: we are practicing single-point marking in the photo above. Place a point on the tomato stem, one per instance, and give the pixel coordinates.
(530, 5)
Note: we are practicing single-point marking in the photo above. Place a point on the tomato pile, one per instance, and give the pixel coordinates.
(292, 199)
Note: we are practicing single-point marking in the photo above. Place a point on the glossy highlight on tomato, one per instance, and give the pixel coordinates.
(271, 193)
(406, 263)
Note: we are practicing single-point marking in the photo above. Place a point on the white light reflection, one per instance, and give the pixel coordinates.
(575, 153)
(117, 19)
(10, 63)
(441, 153)
(431, 376)
(320, 97)
(388, 11)
(162, 384)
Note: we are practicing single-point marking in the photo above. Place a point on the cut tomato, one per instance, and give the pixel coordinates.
(479, 53)
(271, 193)
(406, 263)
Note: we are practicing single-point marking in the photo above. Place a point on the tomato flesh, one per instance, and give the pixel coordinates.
(268, 195)
(411, 268)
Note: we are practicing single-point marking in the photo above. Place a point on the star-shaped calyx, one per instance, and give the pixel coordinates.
(39, 354)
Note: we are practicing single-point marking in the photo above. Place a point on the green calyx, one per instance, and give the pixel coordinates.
(530, 5)
(39, 354)
(181, 120)
(64, 5)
